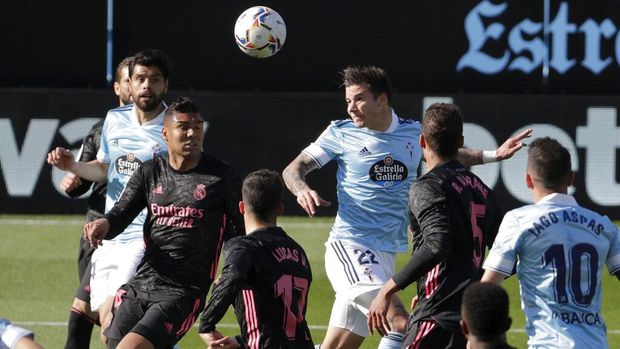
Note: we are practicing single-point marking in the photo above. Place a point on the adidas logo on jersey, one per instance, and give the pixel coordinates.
(364, 152)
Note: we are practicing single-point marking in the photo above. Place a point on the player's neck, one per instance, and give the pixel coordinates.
(476, 343)
(433, 160)
(539, 193)
(183, 163)
(144, 116)
(252, 223)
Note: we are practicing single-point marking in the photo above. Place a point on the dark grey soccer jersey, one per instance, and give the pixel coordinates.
(190, 215)
(266, 278)
(453, 216)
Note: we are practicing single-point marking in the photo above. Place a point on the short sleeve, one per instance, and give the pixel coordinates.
(613, 258)
(503, 254)
(327, 146)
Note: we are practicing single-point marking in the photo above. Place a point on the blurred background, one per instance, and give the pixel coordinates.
(550, 65)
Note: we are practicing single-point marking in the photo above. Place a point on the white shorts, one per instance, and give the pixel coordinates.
(113, 264)
(10, 334)
(356, 274)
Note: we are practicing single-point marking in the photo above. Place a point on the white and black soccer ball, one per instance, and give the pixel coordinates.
(260, 32)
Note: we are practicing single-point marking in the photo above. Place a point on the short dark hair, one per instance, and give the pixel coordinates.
(262, 194)
(151, 58)
(376, 78)
(550, 161)
(182, 105)
(484, 309)
(442, 128)
(118, 75)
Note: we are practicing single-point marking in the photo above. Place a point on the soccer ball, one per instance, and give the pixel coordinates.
(260, 32)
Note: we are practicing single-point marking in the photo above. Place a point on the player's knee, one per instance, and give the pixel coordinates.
(80, 305)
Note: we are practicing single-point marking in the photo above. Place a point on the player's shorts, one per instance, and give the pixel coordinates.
(356, 274)
(85, 252)
(10, 334)
(162, 318)
(83, 291)
(113, 264)
(428, 334)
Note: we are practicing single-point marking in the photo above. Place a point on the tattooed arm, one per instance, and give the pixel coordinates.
(294, 176)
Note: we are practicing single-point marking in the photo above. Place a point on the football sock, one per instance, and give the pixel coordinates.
(79, 330)
(393, 340)
(318, 346)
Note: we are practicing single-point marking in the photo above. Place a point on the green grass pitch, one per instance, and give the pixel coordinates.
(38, 278)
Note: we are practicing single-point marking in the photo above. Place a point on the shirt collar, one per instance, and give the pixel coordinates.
(158, 120)
(394, 122)
(558, 199)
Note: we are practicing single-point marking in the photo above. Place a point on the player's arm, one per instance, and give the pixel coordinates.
(71, 183)
(132, 202)
(63, 159)
(236, 270)
(470, 157)
(493, 276)
(294, 176)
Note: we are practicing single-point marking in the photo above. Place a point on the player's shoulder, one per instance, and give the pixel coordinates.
(341, 124)
(217, 164)
(410, 123)
(122, 110)
(119, 113)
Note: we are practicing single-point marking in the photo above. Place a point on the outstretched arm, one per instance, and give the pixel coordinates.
(470, 157)
(94, 170)
(294, 176)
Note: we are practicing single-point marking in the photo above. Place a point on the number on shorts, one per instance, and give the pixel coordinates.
(293, 291)
(365, 257)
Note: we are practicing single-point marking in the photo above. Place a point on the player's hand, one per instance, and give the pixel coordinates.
(96, 231)
(377, 315)
(309, 200)
(61, 158)
(512, 145)
(69, 182)
(414, 302)
(216, 340)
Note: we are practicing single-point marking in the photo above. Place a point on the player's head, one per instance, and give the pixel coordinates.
(442, 130)
(368, 96)
(148, 72)
(262, 195)
(183, 128)
(548, 165)
(122, 82)
(484, 312)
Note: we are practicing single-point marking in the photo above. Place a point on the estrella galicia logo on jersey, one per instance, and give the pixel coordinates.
(127, 164)
(388, 172)
(200, 192)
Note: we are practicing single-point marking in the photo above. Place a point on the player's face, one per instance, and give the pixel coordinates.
(184, 134)
(364, 108)
(124, 91)
(148, 87)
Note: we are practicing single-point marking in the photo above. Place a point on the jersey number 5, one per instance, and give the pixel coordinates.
(293, 291)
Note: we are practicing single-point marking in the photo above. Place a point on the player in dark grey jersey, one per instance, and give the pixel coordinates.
(454, 216)
(266, 277)
(192, 202)
(82, 319)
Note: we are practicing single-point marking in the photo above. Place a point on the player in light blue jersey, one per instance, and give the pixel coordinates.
(378, 154)
(559, 249)
(131, 135)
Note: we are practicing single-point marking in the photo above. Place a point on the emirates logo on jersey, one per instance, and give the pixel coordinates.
(388, 172)
(200, 192)
(127, 164)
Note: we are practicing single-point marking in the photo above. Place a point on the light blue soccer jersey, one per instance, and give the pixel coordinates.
(125, 145)
(560, 249)
(375, 170)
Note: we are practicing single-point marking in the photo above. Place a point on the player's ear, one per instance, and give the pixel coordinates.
(164, 133)
(382, 98)
(528, 181)
(241, 207)
(461, 142)
(117, 88)
(464, 328)
(422, 141)
(166, 86)
(280, 209)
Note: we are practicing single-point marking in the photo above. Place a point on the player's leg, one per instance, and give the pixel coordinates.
(135, 341)
(82, 319)
(347, 326)
(124, 259)
(15, 337)
(428, 334)
(397, 318)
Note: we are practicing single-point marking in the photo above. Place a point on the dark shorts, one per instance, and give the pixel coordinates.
(427, 334)
(84, 266)
(163, 319)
